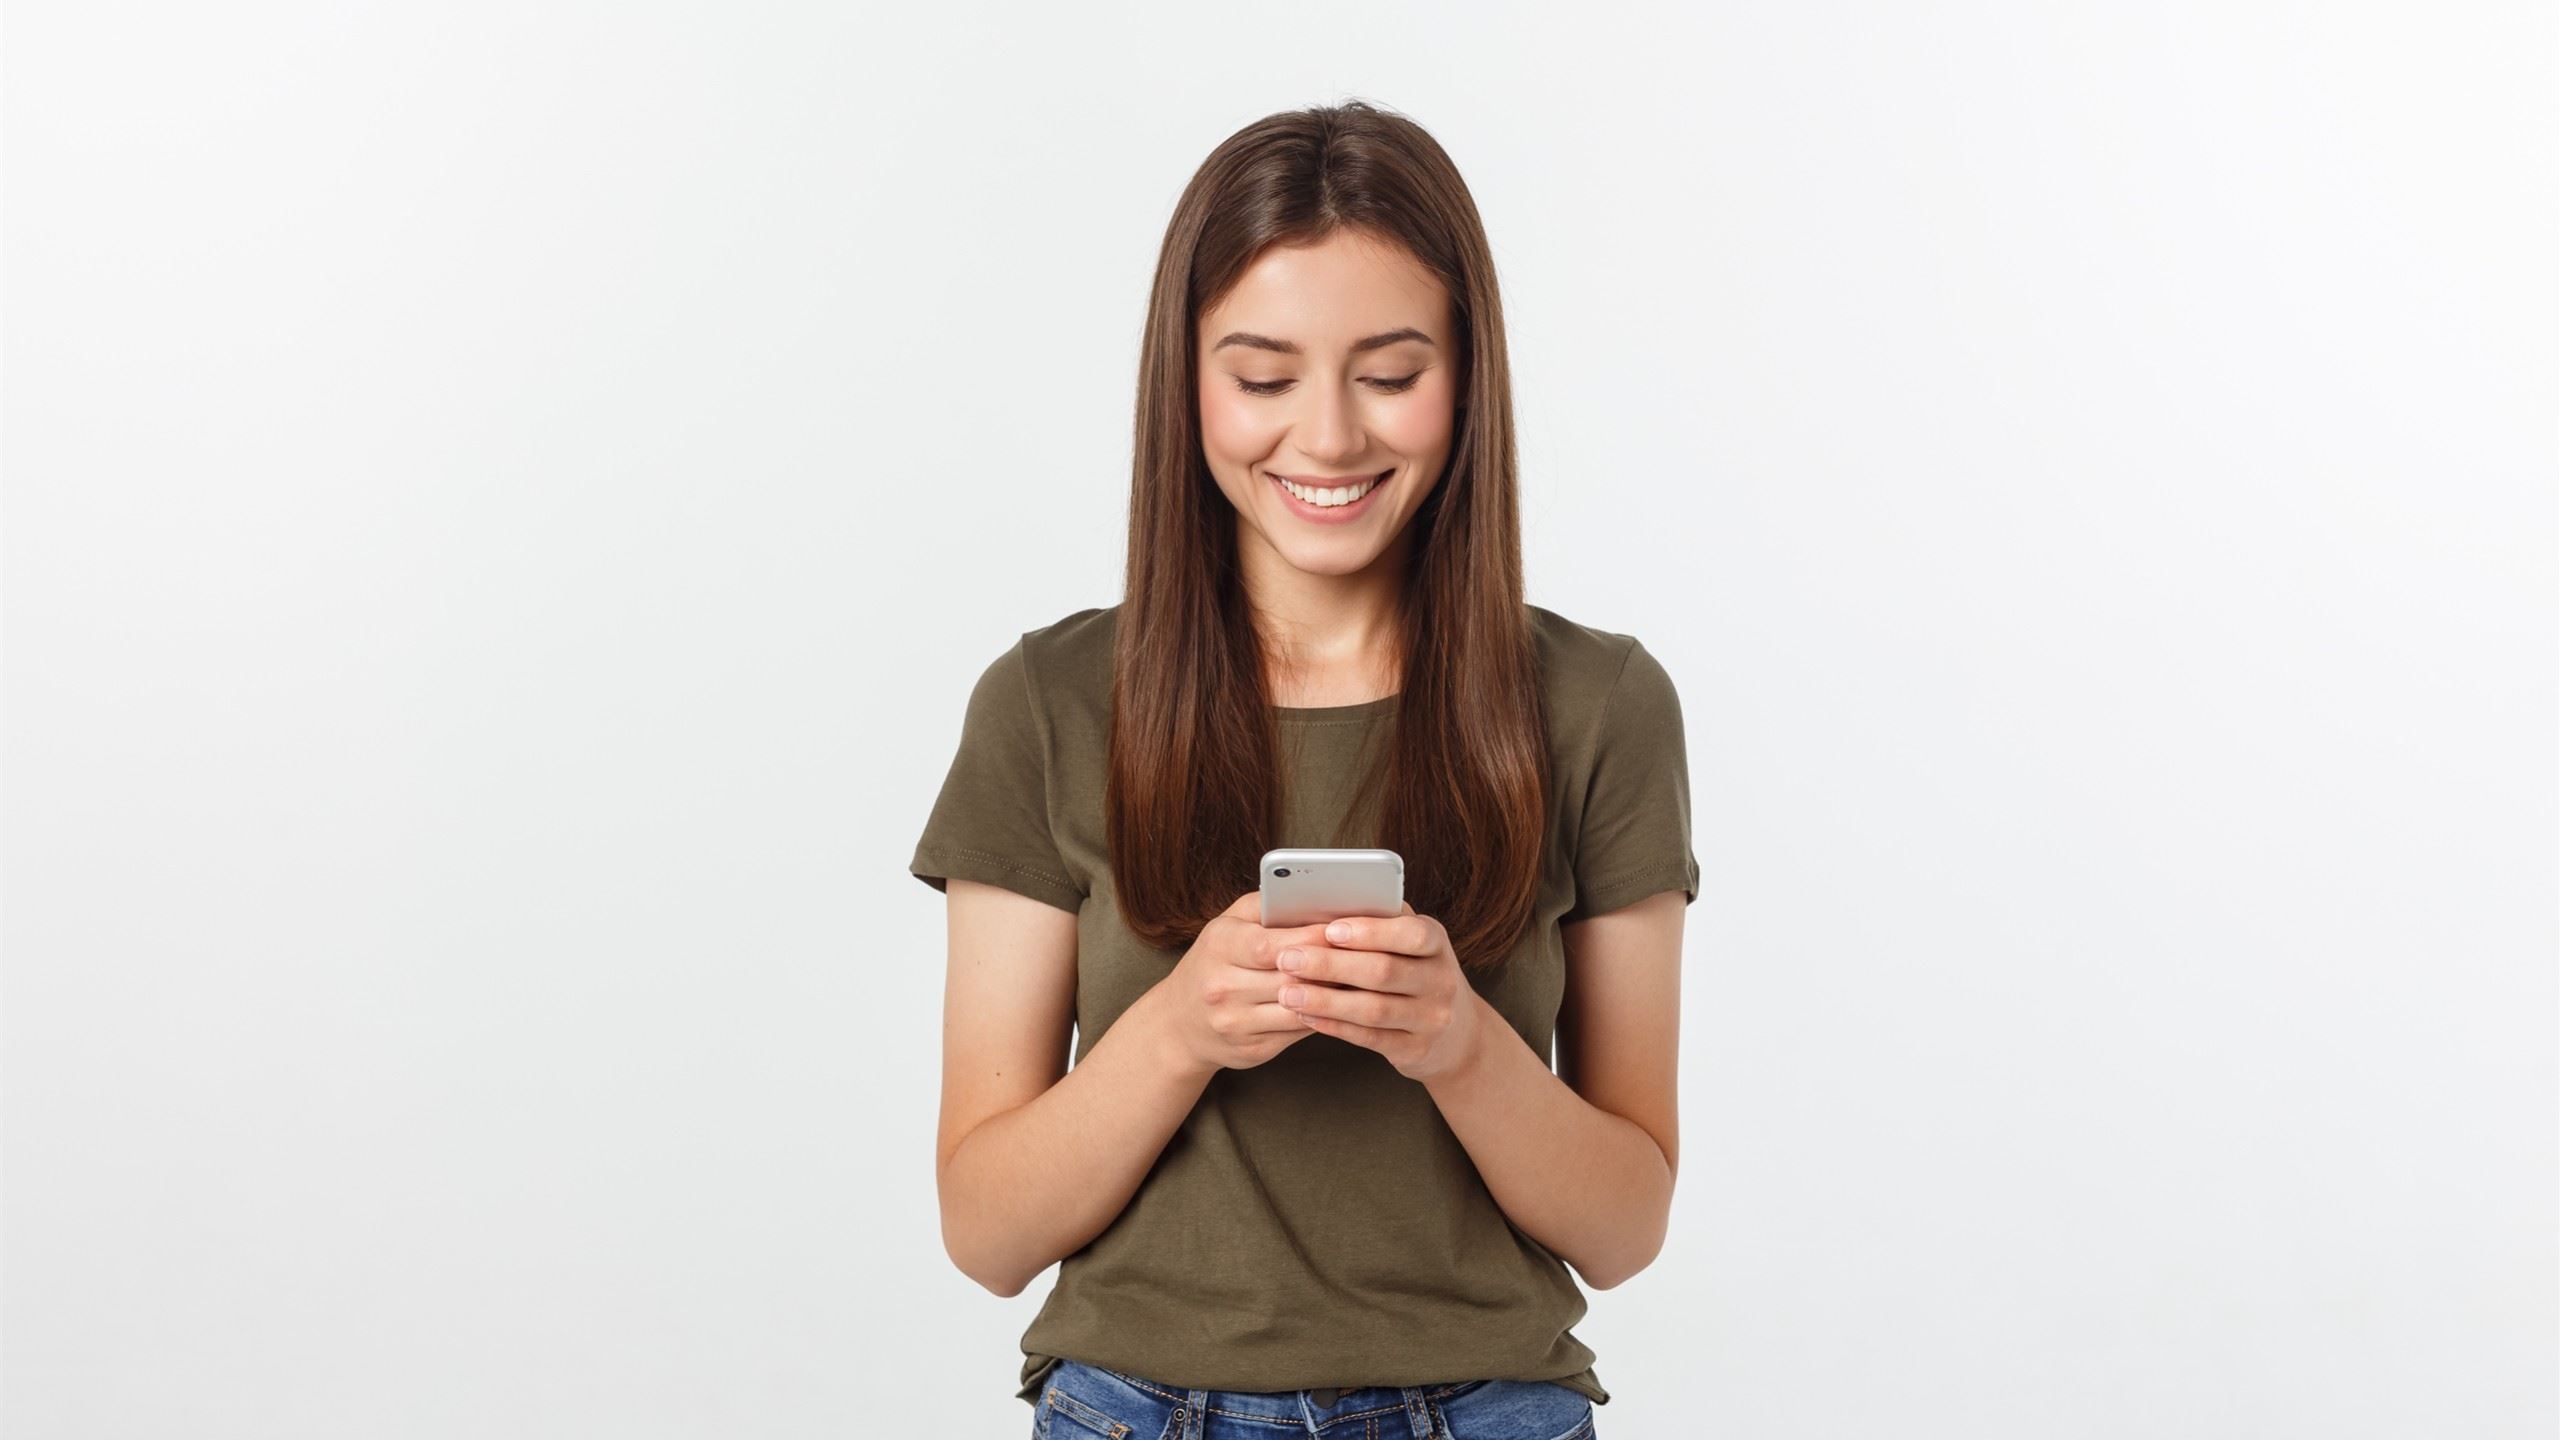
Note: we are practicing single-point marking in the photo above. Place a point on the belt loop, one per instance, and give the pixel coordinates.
(1195, 1420)
(1417, 1411)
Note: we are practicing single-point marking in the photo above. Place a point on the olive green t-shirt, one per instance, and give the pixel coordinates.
(1314, 1222)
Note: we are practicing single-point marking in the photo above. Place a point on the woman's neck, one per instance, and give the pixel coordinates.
(1327, 639)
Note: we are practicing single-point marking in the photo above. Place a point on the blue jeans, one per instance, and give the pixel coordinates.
(1083, 1402)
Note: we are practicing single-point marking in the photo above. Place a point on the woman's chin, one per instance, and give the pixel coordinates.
(1348, 555)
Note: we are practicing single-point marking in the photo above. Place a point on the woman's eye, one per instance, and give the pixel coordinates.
(1274, 387)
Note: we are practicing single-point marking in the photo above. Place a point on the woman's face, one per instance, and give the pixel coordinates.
(1328, 365)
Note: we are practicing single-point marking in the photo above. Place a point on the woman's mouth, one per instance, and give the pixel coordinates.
(1330, 504)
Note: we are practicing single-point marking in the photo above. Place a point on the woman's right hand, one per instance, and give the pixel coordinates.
(1222, 1000)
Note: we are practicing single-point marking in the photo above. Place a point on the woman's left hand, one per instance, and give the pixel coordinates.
(1393, 985)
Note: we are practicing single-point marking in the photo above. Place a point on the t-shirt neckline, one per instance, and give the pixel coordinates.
(1302, 714)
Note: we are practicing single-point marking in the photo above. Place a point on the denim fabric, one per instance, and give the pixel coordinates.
(1088, 1402)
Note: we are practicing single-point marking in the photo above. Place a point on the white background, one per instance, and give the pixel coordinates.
(505, 503)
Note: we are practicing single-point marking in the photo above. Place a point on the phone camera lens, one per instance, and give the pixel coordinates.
(1283, 870)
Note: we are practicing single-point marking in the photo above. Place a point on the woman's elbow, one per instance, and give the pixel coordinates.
(965, 1258)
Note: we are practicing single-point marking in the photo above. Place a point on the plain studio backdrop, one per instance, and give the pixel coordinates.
(505, 504)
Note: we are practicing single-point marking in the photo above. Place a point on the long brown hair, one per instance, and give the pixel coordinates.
(1194, 794)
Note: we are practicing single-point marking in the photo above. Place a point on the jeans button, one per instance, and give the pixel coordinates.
(1324, 1398)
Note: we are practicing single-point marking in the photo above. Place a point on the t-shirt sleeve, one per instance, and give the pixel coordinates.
(1634, 838)
(991, 821)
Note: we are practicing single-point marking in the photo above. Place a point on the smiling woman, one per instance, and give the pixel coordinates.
(1318, 429)
(1325, 1176)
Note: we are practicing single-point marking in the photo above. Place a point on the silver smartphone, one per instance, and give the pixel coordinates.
(1311, 886)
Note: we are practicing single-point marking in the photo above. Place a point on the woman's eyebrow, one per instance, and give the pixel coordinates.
(1378, 341)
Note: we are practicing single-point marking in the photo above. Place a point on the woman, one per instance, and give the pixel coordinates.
(1319, 1178)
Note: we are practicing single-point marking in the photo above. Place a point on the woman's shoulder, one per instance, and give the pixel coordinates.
(1070, 650)
(1575, 657)
(1598, 683)
(1062, 670)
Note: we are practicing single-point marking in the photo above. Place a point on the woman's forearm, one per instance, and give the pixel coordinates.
(1030, 1186)
(1591, 1186)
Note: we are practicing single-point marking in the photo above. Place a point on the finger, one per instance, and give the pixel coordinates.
(1363, 969)
(1359, 1007)
(1266, 955)
(1364, 1036)
(1393, 934)
(1271, 1015)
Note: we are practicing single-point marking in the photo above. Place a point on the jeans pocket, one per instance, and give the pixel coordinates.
(1062, 1414)
(1082, 1402)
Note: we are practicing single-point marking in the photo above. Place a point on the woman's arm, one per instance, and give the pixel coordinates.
(1034, 1159)
(1584, 1161)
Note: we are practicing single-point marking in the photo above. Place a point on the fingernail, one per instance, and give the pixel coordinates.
(1293, 995)
(1338, 930)
(1292, 959)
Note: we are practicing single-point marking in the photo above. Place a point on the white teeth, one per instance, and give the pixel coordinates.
(1331, 496)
